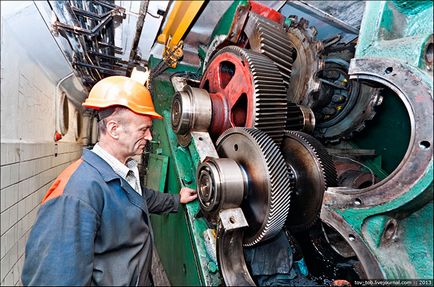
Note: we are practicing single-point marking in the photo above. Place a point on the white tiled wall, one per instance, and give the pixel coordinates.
(32, 67)
(27, 171)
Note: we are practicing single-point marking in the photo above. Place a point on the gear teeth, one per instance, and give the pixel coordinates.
(304, 82)
(281, 180)
(327, 171)
(274, 43)
(269, 92)
(294, 121)
(324, 158)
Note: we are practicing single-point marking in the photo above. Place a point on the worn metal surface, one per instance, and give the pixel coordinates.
(187, 262)
(314, 173)
(231, 260)
(307, 63)
(387, 33)
(406, 189)
(267, 204)
(246, 90)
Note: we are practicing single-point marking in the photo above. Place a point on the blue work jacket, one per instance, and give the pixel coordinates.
(93, 228)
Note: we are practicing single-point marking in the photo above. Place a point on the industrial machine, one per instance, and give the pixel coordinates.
(325, 135)
(309, 142)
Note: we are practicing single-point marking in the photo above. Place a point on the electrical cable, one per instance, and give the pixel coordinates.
(365, 166)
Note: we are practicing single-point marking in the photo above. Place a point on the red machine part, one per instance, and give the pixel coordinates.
(266, 12)
(229, 83)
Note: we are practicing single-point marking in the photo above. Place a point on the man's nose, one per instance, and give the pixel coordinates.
(148, 136)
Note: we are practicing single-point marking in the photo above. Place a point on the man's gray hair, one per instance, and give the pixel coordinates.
(106, 113)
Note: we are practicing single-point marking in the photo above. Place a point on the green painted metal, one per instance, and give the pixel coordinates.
(224, 25)
(399, 232)
(158, 172)
(386, 33)
(179, 238)
(391, 124)
(412, 7)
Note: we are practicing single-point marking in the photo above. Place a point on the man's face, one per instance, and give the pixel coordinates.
(135, 131)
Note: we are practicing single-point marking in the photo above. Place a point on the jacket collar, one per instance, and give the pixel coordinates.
(108, 174)
(101, 165)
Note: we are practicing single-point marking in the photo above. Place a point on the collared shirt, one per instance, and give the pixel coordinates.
(129, 172)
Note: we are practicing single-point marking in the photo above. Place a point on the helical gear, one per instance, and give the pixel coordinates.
(257, 145)
(315, 172)
(269, 110)
(270, 39)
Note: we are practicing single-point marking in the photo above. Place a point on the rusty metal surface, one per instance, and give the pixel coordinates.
(417, 96)
(370, 264)
(246, 90)
(304, 81)
(231, 260)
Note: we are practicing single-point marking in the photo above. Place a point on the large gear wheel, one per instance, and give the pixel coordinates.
(314, 172)
(270, 182)
(247, 90)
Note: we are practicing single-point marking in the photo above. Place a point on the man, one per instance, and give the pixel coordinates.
(93, 226)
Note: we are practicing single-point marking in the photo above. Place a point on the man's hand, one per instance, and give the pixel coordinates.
(187, 194)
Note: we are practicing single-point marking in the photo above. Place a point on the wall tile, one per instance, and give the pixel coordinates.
(2, 200)
(4, 221)
(4, 268)
(15, 172)
(5, 176)
(10, 196)
(9, 153)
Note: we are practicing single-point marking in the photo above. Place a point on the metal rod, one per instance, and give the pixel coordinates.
(80, 30)
(89, 14)
(139, 27)
(106, 70)
(108, 57)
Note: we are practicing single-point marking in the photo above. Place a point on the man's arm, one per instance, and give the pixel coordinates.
(159, 202)
(60, 248)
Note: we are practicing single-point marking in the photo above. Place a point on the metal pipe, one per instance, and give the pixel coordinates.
(139, 27)
(79, 30)
(105, 70)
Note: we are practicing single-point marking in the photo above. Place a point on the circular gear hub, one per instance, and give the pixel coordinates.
(269, 181)
(314, 173)
(191, 111)
(246, 90)
(221, 185)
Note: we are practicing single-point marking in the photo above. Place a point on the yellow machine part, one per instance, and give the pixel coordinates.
(178, 22)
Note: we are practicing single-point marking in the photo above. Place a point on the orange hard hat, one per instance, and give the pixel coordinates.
(121, 91)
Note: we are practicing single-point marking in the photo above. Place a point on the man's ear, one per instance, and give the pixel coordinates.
(113, 129)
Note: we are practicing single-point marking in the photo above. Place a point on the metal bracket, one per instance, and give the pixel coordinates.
(230, 253)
